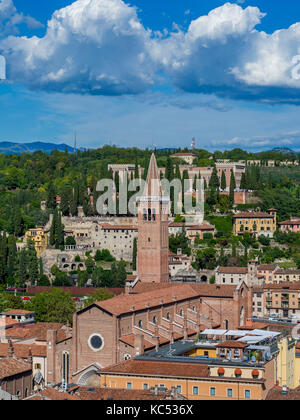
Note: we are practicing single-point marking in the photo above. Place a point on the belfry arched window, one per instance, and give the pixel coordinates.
(65, 366)
(145, 214)
(153, 215)
(149, 215)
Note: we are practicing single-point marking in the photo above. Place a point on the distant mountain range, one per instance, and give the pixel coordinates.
(10, 148)
(282, 150)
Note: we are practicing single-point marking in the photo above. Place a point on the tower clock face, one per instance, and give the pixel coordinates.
(96, 342)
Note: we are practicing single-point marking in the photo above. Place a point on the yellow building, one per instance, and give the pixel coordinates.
(194, 381)
(285, 362)
(297, 365)
(39, 237)
(257, 223)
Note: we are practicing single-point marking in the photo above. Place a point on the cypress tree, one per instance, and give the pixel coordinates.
(22, 269)
(232, 188)
(223, 181)
(65, 201)
(51, 197)
(243, 185)
(12, 256)
(59, 232)
(32, 263)
(134, 256)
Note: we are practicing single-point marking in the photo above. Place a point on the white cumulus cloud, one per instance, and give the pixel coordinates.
(100, 47)
(10, 19)
(91, 46)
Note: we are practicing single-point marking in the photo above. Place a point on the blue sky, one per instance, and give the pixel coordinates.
(150, 73)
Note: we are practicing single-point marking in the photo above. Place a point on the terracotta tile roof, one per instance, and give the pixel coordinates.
(233, 270)
(36, 331)
(131, 278)
(281, 271)
(23, 350)
(127, 303)
(108, 226)
(205, 290)
(201, 227)
(154, 368)
(85, 393)
(176, 224)
(10, 366)
(17, 312)
(290, 222)
(249, 215)
(148, 287)
(266, 267)
(183, 154)
(129, 340)
(283, 286)
(53, 395)
(232, 344)
(276, 393)
(214, 290)
(7, 322)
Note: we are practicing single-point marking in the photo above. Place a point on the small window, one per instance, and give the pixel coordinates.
(129, 385)
(146, 386)
(229, 393)
(195, 390)
(213, 392)
(179, 389)
(247, 393)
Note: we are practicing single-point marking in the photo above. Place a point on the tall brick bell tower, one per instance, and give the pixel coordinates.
(153, 235)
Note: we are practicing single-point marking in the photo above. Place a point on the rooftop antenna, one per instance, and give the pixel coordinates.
(75, 142)
(193, 143)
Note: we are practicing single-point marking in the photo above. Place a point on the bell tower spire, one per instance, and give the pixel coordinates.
(153, 224)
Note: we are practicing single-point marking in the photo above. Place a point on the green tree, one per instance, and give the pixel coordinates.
(51, 197)
(54, 306)
(134, 255)
(98, 296)
(223, 181)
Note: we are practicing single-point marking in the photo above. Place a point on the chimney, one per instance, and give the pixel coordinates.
(30, 356)
(138, 344)
(51, 356)
(11, 350)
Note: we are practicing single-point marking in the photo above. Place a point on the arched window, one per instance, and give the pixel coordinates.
(168, 315)
(65, 366)
(154, 320)
(153, 215)
(145, 215)
(149, 215)
(181, 312)
(140, 324)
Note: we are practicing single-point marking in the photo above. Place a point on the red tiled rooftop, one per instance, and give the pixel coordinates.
(233, 270)
(154, 368)
(17, 312)
(120, 394)
(249, 215)
(23, 350)
(233, 344)
(11, 367)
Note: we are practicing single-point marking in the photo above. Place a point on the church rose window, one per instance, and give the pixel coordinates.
(96, 342)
